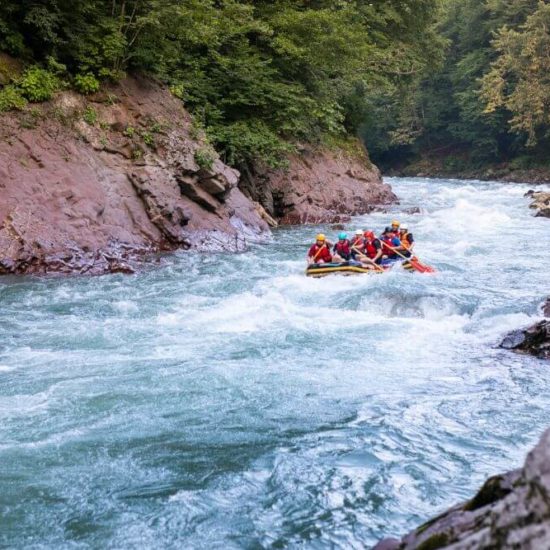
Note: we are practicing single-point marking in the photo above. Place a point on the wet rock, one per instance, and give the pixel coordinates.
(541, 203)
(510, 511)
(320, 185)
(546, 308)
(535, 340)
(104, 192)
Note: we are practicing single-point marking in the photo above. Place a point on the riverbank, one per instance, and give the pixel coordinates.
(450, 167)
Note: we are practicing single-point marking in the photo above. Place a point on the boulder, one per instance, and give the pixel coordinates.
(510, 511)
(534, 340)
(541, 203)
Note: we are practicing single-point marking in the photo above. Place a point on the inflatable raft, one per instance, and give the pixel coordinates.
(345, 268)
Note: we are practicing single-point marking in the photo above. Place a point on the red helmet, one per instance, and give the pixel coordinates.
(369, 234)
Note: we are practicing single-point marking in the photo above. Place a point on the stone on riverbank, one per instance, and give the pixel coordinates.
(541, 203)
(509, 511)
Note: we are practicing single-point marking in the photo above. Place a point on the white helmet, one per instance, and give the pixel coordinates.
(404, 226)
(359, 232)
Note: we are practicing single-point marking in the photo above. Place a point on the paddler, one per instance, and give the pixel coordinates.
(372, 249)
(406, 238)
(319, 252)
(395, 227)
(390, 241)
(357, 244)
(342, 249)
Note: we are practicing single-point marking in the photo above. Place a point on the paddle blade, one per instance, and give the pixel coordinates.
(419, 266)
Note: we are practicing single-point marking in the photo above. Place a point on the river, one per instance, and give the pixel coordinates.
(227, 401)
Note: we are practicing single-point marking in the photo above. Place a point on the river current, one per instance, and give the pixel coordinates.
(227, 401)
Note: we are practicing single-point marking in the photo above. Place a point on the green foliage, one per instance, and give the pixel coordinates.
(129, 131)
(148, 139)
(86, 83)
(205, 157)
(11, 98)
(90, 116)
(256, 75)
(38, 84)
(487, 97)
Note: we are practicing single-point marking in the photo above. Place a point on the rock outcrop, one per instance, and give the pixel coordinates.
(534, 340)
(95, 185)
(541, 203)
(509, 511)
(320, 185)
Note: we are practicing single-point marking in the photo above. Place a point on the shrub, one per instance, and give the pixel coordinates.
(11, 98)
(205, 157)
(38, 84)
(86, 83)
(129, 132)
(148, 139)
(90, 116)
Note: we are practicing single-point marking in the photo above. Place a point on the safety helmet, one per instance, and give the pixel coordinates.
(369, 234)
(359, 232)
(343, 236)
(320, 237)
(395, 223)
(404, 226)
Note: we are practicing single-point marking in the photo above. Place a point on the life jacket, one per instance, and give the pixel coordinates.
(320, 253)
(370, 248)
(343, 248)
(386, 243)
(404, 238)
(357, 241)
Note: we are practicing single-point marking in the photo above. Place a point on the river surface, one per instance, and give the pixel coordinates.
(227, 401)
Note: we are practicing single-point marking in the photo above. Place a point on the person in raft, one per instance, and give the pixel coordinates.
(372, 250)
(319, 253)
(406, 238)
(357, 244)
(342, 249)
(390, 242)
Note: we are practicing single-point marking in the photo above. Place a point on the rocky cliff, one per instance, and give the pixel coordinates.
(319, 185)
(94, 185)
(509, 511)
(97, 184)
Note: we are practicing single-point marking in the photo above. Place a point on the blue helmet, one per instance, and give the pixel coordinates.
(343, 236)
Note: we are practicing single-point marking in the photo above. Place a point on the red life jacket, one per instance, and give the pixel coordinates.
(370, 248)
(386, 243)
(343, 248)
(324, 254)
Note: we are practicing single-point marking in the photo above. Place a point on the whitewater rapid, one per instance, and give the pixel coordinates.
(227, 401)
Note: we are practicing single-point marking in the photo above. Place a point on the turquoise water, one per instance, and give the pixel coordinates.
(230, 402)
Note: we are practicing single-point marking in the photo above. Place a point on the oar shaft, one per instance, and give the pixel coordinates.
(373, 263)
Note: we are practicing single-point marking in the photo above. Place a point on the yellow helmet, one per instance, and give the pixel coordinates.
(395, 223)
(320, 237)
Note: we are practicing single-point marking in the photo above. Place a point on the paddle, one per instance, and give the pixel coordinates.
(373, 263)
(319, 252)
(414, 261)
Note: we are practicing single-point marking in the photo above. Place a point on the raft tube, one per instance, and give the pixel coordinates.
(345, 268)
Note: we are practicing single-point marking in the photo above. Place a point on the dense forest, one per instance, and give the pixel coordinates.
(466, 79)
(258, 75)
(487, 102)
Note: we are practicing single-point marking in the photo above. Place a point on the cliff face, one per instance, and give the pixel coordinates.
(320, 185)
(509, 511)
(92, 186)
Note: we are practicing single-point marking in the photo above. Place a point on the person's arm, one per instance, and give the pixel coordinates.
(378, 246)
(310, 255)
(411, 241)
